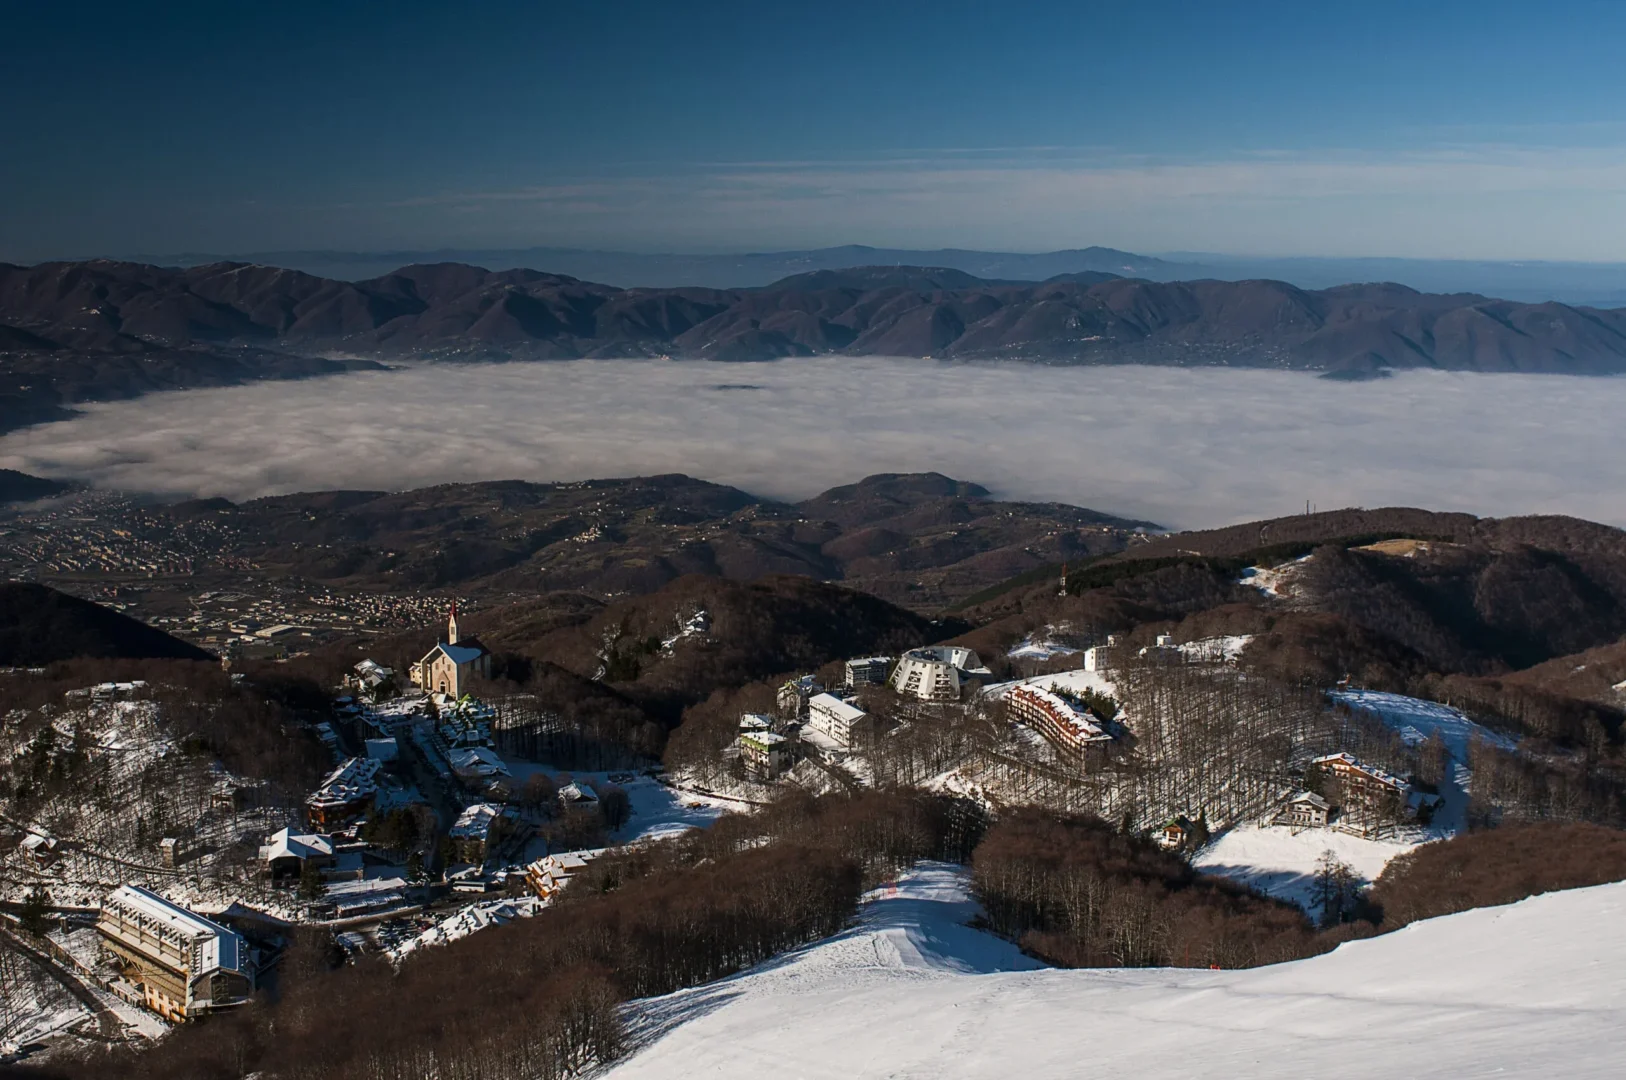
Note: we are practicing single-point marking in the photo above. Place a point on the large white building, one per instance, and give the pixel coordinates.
(840, 721)
(182, 964)
(936, 673)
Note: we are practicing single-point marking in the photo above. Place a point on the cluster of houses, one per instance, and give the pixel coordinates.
(1355, 795)
(812, 719)
(547, 875)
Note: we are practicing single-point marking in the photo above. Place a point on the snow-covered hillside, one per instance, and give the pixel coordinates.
(1281, 861)
(1531, 990)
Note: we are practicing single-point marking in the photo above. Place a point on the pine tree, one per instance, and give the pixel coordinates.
(311, 886)
(35, 913)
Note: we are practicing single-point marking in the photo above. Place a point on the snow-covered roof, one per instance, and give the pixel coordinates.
(763, 740)
(1344, 757)
(1084, 726)
(480, 760)
(354, 780)
(835, 708)
(1310, 798)
(553, 871)
(475, 821)
(469, 920)
(755, 722)
(219, 947)
(458, 654)
(577, 792)
(954, 655)
(285, 843)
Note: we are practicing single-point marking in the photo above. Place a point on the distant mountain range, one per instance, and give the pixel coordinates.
(631, 270)
(73, 332)
(1595, 284)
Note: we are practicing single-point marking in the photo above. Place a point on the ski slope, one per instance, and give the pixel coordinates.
(1415, 719)
(1535, 989)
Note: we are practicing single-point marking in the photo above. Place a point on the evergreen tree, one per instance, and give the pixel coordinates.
(311, 886)
(35, 914)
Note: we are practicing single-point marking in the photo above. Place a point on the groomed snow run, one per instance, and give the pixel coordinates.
(1535, 989)
(1415, 719)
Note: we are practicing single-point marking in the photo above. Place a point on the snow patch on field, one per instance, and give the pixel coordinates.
(1215, 650)
(1533, 989)
(658, 810)
(1039, 646)
(1078, 680)
(1281, 862)
(1280, 582)
(1415, 720)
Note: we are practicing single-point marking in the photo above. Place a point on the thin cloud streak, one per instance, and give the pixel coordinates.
(1185, 447)
(1473, 200)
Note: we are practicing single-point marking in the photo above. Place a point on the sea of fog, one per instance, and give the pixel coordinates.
(1183, 447)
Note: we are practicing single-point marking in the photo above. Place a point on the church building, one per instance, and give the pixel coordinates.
(452, 664)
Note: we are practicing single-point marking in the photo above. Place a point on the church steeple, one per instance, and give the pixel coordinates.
(451, 625)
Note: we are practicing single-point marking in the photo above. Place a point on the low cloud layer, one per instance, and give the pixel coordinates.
(1184, 447)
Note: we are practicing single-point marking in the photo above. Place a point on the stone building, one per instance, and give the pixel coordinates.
(452, 665)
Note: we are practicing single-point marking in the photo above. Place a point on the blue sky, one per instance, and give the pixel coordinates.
(1435, 129)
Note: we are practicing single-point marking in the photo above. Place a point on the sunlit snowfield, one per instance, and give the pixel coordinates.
(1183, 447)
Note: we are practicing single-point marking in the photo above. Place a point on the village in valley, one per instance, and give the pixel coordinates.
(430, 823)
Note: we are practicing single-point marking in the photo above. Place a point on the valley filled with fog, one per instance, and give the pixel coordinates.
(1185, 447)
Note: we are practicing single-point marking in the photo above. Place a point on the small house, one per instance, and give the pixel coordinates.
(287, 852)
(1306, 810)
(1175, 834)
(479, 829)
(794, 696)
(39, 849)
(578, 798)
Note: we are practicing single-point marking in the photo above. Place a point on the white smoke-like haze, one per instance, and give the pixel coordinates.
(1186, 448)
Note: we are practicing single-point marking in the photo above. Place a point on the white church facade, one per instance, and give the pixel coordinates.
(451, 666)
